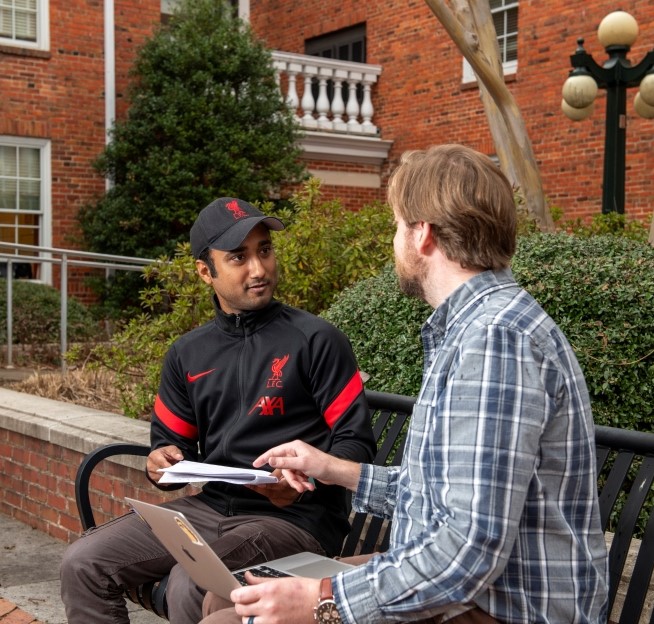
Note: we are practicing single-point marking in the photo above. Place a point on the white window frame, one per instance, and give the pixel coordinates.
(509, 67)
(168, 6)
(45, 225)
(244, 10)
(42, 29)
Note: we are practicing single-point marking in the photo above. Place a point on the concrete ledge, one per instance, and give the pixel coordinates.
(70, 426)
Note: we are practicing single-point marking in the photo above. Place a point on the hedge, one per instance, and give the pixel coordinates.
(600, 291)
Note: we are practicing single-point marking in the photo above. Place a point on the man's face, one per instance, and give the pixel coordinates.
(246, 277)
(411, 269)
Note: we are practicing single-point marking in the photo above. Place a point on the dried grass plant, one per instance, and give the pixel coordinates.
(81, 386)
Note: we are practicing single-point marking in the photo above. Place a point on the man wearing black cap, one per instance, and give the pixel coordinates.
(261, 373)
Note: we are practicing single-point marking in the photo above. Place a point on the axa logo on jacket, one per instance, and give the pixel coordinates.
(269, 406)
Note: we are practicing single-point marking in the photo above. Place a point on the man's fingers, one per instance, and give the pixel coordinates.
(172, 454)
(299, 481)
(277, 452)
(248, 595)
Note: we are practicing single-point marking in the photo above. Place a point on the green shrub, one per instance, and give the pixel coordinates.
(36, 317)
(326, 247)
(600, 290)
(383, 326)
(607, 224)
(174, 301)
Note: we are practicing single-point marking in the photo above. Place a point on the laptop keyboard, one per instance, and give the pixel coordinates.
(261, 570)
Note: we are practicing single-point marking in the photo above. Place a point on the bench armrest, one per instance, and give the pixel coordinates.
(85, 470)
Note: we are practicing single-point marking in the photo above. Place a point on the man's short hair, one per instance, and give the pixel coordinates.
(465, 197)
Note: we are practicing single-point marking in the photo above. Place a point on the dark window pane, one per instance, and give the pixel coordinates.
(348, 44)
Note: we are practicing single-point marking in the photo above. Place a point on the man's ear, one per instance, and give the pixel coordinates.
(425, 243)
(203, 271)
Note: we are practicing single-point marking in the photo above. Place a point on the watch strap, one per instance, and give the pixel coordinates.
(326, 592)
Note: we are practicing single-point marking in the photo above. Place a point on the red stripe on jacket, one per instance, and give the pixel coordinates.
(174, 422)
(338, 406)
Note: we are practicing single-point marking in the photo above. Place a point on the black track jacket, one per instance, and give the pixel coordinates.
(241, 384)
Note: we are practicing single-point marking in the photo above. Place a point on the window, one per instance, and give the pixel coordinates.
(168, 6)
(348, 44)
(24, 23)
(24, 198)
(505, 19)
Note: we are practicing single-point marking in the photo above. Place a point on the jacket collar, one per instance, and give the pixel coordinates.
(248, 321)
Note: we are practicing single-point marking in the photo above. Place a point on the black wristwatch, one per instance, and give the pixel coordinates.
(326, 611)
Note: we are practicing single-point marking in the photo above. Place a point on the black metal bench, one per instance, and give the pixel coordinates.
(625, 461)
(390, 413)
(625, 465)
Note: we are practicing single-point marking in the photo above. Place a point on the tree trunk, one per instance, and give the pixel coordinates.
(470, 26)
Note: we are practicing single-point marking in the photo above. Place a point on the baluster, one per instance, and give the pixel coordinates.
(352, 108)
(308, 102)
(338, 105)
(367, 110)
(279, 67)
(322, 105)
(292, 99)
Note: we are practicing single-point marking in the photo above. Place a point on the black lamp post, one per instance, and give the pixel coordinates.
(617, 32)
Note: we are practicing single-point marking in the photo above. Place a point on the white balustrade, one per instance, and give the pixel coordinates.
(331, 91)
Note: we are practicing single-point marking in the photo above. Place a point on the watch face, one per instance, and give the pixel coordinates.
(326, 611)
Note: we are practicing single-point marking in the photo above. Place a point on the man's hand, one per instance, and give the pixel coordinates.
(299, 462)
(282, 601)
(280, 494)
(162, 458)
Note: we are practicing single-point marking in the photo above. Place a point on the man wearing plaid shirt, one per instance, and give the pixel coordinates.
(494, 509)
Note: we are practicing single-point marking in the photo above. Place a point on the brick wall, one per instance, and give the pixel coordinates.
(59, 95)
(42, 443)
(420, 99)
(38, 485)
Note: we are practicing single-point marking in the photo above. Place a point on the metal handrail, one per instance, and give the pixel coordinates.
(67, 258)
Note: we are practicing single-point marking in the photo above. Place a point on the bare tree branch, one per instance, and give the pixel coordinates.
(469, 24)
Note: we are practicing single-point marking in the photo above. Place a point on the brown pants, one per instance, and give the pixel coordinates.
(216, 610)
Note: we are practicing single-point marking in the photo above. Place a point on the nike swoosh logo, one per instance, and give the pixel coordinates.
(191, 378)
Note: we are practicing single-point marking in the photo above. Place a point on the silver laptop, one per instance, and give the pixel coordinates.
(204, 566)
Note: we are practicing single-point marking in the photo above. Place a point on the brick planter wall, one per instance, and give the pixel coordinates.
(43, 442)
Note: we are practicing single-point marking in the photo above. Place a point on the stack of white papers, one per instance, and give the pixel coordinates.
(192, 472)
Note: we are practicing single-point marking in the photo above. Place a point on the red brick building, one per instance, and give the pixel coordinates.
(424, 96)
(56, 65)
(388, 79)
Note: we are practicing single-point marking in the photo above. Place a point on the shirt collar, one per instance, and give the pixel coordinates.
(462, 299)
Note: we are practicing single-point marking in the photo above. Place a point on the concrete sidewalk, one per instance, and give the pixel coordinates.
(29, 578)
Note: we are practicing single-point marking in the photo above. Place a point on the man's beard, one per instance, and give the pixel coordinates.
(412, 287)
(411, 272)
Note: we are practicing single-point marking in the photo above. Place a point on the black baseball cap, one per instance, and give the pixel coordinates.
(225, 223)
